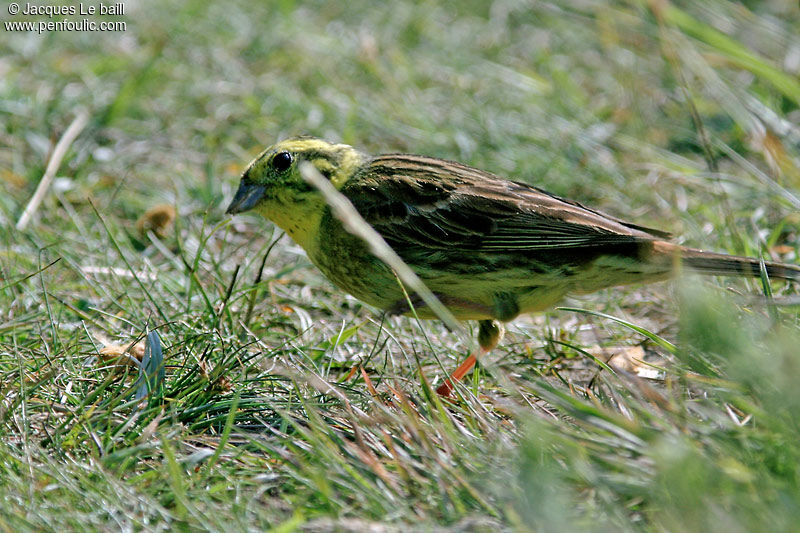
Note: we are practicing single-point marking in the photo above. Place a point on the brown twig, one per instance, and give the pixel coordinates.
(77, 125)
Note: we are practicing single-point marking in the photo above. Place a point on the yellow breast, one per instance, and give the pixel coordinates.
(299, 219)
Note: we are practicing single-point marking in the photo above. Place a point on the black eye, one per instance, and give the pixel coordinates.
(282, 161)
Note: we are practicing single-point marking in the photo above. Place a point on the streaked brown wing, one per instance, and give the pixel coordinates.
(416, 201)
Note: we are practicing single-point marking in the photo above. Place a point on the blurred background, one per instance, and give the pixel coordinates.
(677, 115)
(590, 99)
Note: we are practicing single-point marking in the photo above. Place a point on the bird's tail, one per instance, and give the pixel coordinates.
(715, 264)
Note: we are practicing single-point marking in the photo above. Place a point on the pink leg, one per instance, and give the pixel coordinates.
(489, 334)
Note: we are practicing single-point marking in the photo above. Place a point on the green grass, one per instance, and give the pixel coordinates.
(682, 116)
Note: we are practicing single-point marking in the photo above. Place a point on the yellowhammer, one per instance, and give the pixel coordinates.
(487, 247)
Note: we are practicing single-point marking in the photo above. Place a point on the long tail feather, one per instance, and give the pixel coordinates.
(715, 264)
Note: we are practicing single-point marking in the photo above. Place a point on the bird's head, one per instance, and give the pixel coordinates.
(273, 181)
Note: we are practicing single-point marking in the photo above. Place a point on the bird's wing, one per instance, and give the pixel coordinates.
(415, 201)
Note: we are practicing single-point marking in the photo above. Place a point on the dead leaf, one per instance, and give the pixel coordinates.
(122, 354)
(157, 219)
(630, 359)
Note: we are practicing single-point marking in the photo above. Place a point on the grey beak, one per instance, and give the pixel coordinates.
(246, 198)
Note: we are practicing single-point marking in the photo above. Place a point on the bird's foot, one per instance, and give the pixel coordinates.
(489, 334)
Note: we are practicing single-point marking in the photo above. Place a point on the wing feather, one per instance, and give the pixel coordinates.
(415, 201)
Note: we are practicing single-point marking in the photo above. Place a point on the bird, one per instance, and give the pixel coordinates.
(489, 248)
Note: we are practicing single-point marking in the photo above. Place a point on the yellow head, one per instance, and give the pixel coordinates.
(272, 184)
